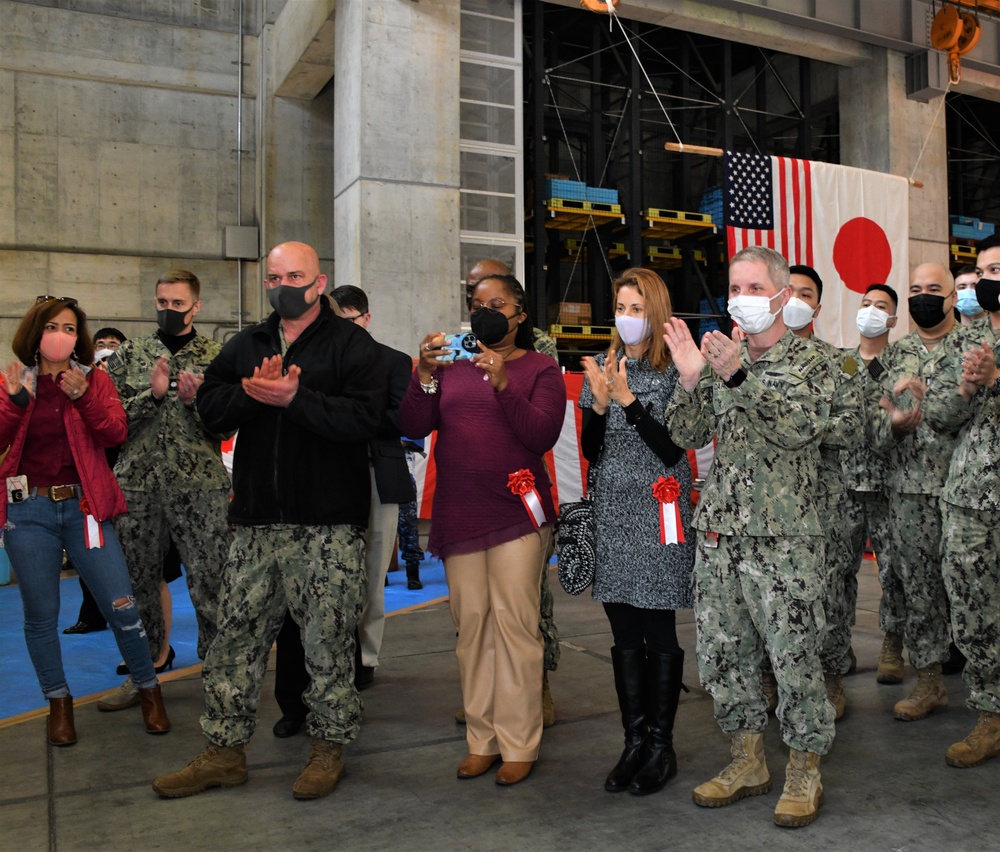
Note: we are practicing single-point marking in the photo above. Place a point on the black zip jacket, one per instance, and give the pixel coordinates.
(308, 463)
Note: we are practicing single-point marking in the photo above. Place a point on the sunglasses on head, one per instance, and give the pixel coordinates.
(68, 300)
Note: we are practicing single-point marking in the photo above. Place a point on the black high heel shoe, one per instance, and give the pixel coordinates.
(168, 664)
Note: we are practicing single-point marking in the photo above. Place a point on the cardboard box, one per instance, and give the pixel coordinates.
(574, 313)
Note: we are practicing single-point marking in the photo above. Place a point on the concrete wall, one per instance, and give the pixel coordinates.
(118, 156)
(118, 144)
(397, 166)
(881, 129)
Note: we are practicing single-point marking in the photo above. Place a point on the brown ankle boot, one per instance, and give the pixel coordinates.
(154, 714)
(62, 731)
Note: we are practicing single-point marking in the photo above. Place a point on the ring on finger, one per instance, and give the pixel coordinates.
(491, 362)
(427, 347)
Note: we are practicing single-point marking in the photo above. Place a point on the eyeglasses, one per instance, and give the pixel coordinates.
(354, 319)
(69, 300)
(493, 304)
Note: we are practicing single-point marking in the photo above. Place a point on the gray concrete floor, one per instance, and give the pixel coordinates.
(887, 785)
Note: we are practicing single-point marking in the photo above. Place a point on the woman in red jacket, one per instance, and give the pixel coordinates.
(58, 417)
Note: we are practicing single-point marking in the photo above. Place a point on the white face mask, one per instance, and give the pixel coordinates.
(872, 321)
(632, 330)
(797, 313)
(101, 354)
(753, 313)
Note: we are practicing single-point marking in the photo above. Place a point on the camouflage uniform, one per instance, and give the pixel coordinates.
(758, 591)
(970, 502)
(273, 568)
(842, 432)
(175, 484)
(917, 466)
(866, 508)
(547, 622)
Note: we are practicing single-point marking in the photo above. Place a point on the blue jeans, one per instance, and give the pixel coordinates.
(37, 531)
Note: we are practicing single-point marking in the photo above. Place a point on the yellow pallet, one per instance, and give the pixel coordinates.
(963, 252)
(566, 214)
(572, 247)
(581, 332)
(670, 224)
(584, 206)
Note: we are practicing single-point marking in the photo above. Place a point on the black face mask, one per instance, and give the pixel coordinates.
(172, 322)
(490, 326)
(290, 302)
(927, 310)
(988, 294)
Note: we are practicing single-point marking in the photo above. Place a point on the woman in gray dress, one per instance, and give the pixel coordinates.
(641, 491)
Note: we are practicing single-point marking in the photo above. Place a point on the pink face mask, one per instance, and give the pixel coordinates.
(57, 346)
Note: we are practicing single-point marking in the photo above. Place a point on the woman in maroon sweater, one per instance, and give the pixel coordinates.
(58, 417)
(496, 415)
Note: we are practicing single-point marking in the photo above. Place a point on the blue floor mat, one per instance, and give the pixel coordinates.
(90, 660)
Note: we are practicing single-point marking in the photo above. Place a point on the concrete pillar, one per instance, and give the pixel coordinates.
(396, 175)
(880, 129)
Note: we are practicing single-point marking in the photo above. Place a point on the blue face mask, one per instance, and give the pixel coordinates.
(967, 303)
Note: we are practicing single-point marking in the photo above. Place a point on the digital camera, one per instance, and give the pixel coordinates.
(462, 345)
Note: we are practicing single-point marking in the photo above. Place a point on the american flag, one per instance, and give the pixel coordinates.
(769, 202)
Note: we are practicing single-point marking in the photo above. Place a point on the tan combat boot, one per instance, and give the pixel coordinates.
(548, 707)
(216, 766)
(928, 694)
(322, 772)
(769, 683)
(890, 659)
(835, 694)
(747, 775)
(803, 793)
(982, 744)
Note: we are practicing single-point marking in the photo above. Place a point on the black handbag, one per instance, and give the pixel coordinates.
(576, 541)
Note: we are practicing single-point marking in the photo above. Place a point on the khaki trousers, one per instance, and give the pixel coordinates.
(379, 539)
(494, 603)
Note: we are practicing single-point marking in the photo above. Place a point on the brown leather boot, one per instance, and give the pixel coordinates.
(927, 695)
(216, 766)
(154, 714)
(981, 745)
(322, 772)
(62, 731)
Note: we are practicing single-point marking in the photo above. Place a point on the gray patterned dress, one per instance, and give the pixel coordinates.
(632, 566)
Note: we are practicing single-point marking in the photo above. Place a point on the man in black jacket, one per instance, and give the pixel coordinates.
(306, 392)
(391, 485)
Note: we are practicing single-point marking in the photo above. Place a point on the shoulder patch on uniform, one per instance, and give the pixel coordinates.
(850, 366)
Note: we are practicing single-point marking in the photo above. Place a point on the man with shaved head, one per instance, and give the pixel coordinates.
(306, 391)
(917, 460)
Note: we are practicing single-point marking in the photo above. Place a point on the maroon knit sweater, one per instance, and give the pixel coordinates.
(483, 436)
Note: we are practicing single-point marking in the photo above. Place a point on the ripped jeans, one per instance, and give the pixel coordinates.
(37, 531)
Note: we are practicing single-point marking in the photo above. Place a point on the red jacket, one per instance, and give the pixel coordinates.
(94, 422)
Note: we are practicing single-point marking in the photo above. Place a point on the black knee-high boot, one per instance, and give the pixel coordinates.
(629, 666)
(664, 673)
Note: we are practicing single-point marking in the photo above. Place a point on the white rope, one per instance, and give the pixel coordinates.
(642, 68)
(930, 130)
(562, 127)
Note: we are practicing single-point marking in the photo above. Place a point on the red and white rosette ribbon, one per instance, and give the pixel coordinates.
(667, 491)
(93, 535)
(522, 483)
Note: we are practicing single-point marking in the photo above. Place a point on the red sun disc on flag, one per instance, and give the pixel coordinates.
(862, 254)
